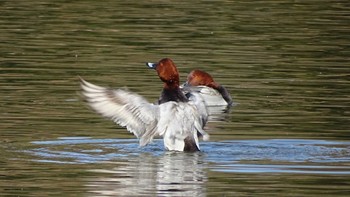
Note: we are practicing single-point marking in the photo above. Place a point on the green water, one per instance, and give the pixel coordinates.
(285, 63)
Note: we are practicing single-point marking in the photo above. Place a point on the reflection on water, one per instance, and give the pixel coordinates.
(152, 171)
(170, 174)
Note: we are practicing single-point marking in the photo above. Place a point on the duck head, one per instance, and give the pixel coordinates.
(201, 78)
(167, 72)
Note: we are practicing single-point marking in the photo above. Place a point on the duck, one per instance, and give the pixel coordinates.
(178, 118)
(212, 92)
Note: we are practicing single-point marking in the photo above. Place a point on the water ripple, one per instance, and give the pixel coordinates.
(245, 156)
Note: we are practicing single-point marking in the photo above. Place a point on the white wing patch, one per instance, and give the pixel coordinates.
(127, 109)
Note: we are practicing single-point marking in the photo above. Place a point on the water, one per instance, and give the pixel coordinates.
(285, 63)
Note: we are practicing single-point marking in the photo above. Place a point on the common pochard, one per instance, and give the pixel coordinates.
(212, 92)
(177, 117)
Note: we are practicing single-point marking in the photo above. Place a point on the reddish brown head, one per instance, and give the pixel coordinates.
(201, 78)
(167, 72)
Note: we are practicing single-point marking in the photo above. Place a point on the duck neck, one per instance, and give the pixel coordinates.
(172, 93)
(224, 93)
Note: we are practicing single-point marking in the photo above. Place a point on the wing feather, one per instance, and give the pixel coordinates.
(127, 109)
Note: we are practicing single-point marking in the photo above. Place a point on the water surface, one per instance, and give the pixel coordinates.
(285, 63)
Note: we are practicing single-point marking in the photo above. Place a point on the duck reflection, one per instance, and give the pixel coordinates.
(171, 174)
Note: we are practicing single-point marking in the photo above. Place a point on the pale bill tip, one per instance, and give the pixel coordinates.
(151, 65)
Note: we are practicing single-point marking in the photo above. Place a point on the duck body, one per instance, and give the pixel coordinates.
(216, 97)
(211, 96)
(179, 125)
(177, 118)
(213, 93)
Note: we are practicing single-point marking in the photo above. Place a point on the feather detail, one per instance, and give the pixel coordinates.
(127, 109)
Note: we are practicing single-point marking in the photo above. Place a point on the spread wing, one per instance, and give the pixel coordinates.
(125, 108)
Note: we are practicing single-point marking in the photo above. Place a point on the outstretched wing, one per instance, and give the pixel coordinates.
(125, 108)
